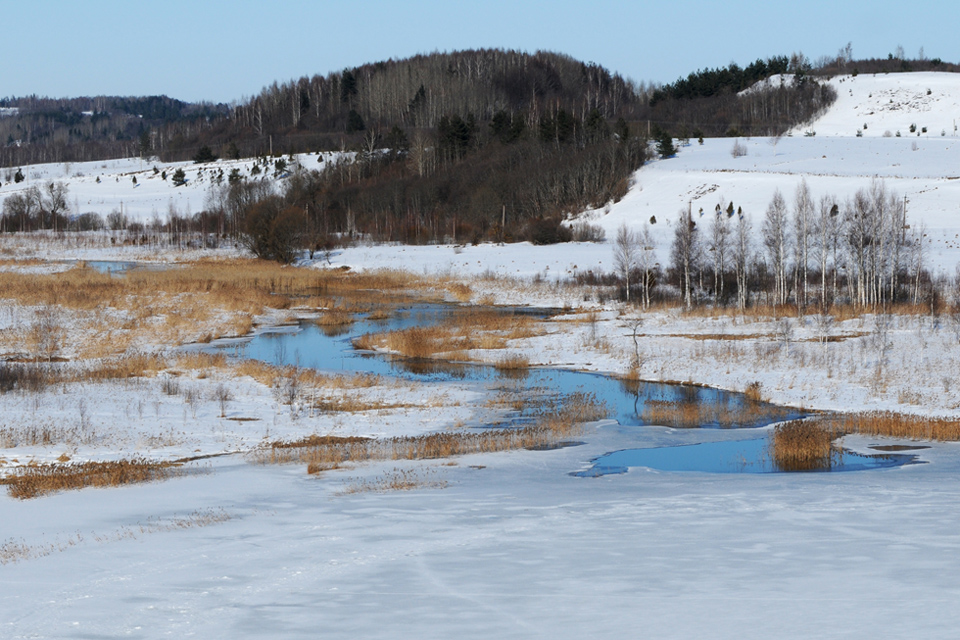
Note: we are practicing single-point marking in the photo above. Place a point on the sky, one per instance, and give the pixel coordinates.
(217, 51)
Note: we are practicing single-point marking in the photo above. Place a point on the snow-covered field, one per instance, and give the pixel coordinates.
(510, 544)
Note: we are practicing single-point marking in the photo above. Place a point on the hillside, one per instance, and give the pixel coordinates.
(835, 162)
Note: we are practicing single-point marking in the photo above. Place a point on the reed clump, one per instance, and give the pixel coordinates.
(802, 445)
(199, 301)
(512, 362)
(722, 413)
(37, 480)
(462, 331)
(896, 425)
(333, 318)
(754, 391)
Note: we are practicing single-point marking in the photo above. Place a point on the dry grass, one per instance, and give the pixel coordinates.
(327, 452)
(333, 318)
(753, 391)
(200, 301)
(463, 331)
(800, 445)
(396, 480)
(47, 434)
(725, 414)
(896, 425)
(37, 480)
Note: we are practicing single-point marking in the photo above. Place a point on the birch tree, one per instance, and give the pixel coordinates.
(776, 240)
(803, 224)
(647, 261)
(826, 232)
(741, 257)
(625, 255)
(683, 254)
(719, 247)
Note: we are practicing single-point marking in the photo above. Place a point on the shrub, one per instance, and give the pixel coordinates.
(586, 232)
(548, 231)
(204, 155)
(273, 233)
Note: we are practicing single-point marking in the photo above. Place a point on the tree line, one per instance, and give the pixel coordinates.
(808, 253)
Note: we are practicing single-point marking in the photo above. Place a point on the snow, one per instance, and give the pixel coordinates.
(520, 548)
(151, 197)
(891, 103)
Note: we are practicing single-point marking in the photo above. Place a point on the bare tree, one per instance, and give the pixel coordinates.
(23, 207)
(719, 244)
(803, 222)
(684, 254)
(54, 201)
(827, 231)
(647, 261)
(918, 258)
(741, 257)
(776, 240)
(625, 255)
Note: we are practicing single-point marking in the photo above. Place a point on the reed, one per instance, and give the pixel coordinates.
(396, 480)
(896, 425)
(333, 318)
(327, 452)
(725, 414)
(512, 362)
(37, 480)
(753, 391)
(463, 331)
(802, 445)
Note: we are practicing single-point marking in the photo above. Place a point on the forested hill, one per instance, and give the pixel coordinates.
(35, 129)
(415, 94)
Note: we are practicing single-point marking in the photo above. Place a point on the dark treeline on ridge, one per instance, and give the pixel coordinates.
(328, 112)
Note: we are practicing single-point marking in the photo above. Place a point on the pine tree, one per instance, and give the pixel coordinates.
(665, 145)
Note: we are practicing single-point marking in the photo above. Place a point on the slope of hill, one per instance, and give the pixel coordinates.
(105, 186)
(835, 163)
(885, 104)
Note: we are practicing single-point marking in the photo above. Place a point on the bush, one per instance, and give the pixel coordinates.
(273, 233)
(739, 149)
(586, 232)
(179, 178)
(547, 231)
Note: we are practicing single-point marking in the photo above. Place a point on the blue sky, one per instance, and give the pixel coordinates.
(224, 51)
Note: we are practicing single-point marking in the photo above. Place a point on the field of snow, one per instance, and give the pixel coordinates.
(510, 544)
(151, 197)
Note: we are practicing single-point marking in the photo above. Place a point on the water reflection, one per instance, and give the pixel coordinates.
(738, 456)
(631, 402)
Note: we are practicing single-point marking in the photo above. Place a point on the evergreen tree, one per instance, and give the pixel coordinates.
(354, 122)
(204, 155)
(665, 145)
